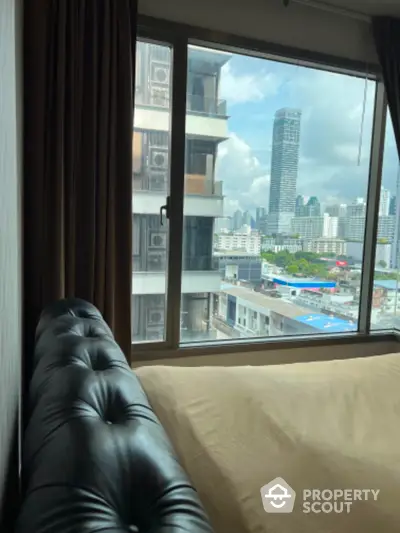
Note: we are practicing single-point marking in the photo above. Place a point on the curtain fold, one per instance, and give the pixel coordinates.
(386, 32)
(78, 80)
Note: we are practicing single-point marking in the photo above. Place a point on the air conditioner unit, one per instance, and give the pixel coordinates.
(158, 158)
(158, 181)
(154, 333)
(158, 240)
(159, 96)
(156, 261)
(155, 317)
(159, 73)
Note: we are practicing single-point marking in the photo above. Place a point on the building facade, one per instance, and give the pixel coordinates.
(249, 242)
(315, 227)
(325, 246)
(384, 202)
(284, 168)
(206, 128)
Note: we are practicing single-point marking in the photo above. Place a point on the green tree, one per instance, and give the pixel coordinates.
(269, 256)
(293, 269)
(283, 258)
(382, 263)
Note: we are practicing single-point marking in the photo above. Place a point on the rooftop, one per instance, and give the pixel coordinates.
(327, 323)
(389, 284)
(289, 310)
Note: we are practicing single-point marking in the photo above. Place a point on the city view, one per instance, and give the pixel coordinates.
(276, 178)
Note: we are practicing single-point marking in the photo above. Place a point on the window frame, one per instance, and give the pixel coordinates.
(179, 37)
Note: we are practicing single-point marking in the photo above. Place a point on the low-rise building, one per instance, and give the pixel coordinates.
(325, 246)
(253, 314)
(281, 243)
(246, 241)
(239, 266)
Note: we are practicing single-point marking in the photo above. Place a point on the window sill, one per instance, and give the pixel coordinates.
(156, 351)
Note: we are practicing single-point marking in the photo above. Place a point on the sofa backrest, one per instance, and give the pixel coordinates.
(95, 457)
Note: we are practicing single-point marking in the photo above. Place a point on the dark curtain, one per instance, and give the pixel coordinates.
(78, 101)
(387, 40)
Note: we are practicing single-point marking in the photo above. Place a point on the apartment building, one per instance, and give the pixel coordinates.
(206, 128)
(246, 241)
(325, 246)
(315, 226)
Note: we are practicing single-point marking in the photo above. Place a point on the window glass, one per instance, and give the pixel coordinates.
(151, 185)
(385, 304)
(277, 166)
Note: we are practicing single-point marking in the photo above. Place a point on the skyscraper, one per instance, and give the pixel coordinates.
(284, 167)
(260, 217)
(384, 202)
(392, 205)
(237, 220)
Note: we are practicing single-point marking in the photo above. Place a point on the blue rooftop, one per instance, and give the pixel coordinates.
(390, 284)
(304, 283)
(327, 323)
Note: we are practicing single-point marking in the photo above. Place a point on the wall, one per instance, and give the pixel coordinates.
(10, 250)
(298, 25)
(294, 355)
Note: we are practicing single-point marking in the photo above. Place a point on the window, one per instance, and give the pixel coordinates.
(276, 174)
(151, 185)
(385, 305)
(283, 181)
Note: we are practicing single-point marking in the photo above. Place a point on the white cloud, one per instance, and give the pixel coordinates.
(240, 88)
(245, 181)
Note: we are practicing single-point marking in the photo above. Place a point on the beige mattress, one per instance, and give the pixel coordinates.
(329, 425)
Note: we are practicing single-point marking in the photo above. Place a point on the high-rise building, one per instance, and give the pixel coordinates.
(392, 205)
(284, 168)
(237, 220)
(299, 206)
(384, 202)
(206, 127)
(336, 210)
(311, 208)
(260, 217)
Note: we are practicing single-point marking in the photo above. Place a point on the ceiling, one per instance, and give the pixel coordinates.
(366, 7)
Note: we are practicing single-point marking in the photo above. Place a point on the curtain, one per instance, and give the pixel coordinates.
(387, 40)
(78, 115)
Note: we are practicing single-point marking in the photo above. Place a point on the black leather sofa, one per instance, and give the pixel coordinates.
(95, 457)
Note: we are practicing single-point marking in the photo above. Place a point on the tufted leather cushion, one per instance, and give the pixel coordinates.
(95, 457)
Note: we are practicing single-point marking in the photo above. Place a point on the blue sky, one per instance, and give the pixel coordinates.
(332, 108)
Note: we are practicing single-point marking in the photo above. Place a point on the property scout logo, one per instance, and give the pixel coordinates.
(279, 497)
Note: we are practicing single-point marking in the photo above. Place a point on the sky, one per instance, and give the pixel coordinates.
(332, 111)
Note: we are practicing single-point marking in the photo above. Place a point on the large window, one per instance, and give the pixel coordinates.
(385, 305)
(275, 188)
(277, 161)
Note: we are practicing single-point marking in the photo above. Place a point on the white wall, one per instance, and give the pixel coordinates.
(10, 238)
(268, 20)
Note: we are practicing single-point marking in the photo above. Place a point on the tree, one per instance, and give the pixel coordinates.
(293, 269)
(269, 256)
(382, 263)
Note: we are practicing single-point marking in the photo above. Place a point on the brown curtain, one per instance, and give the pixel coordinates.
(78, 100)
(387, 41)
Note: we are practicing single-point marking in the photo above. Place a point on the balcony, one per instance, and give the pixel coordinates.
(196, 184)
(206, 120)
(206, 106)
(192, 282)
(157, 262)
(195, 104)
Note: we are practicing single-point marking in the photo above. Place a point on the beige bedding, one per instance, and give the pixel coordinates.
(329, 425)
